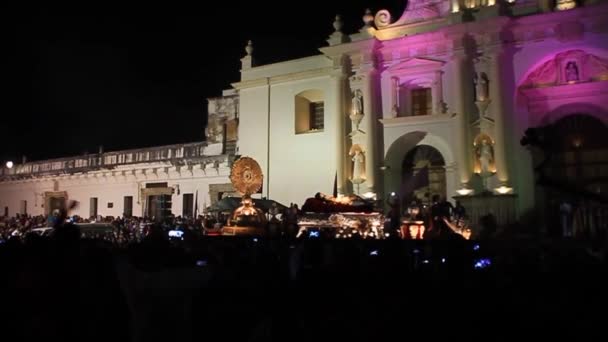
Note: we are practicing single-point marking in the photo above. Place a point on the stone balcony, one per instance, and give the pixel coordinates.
(179, 154)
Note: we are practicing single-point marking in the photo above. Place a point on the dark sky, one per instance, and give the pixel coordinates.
(79, 77)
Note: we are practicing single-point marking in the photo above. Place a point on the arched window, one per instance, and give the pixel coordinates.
(309, 111)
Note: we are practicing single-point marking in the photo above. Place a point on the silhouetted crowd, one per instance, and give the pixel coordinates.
(194, 287)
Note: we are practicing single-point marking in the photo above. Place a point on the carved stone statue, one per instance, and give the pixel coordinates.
(571, 72)
(358, 167)
(358, 102)
(214, 131)
(481, 87)
(486, 158)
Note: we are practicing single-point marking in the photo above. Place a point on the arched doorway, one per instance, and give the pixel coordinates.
(579, 154)
(573, 168)
(423, 174)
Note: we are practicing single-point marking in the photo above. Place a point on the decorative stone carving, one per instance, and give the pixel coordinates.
(249, 48)
(358, 159)
(567, 66)
(571, 72)
(357, 102)
(337, 37)
(485, 165)
(368, 18)
(383, 18)
(338, 24)
(214, 132)
(356, 112)
(481, 87)
(421, 10)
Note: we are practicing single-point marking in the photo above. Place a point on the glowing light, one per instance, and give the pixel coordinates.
(503, 190)
(369, 195)
(9, 164)
(393, 194)
(464, 191)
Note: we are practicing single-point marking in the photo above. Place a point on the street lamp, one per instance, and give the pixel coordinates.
(9, 164)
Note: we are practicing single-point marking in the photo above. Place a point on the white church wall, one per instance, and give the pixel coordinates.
(253, 125)
(301, 164)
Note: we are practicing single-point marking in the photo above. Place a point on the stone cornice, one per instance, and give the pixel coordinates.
(320, 72)
(565, 91)
(415, 120)
(139, 171)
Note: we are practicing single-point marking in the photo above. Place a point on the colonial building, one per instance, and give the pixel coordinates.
(177, 179)
(434, 101)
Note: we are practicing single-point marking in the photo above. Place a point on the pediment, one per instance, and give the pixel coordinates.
(569, 67)
(416, 64)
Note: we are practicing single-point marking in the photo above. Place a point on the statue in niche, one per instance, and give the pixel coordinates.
(358, 167)
(571, 72)
(481, 87)
(485, 155)
(358, 102)
(214, 132)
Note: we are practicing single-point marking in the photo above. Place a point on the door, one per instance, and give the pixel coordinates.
(159, 206)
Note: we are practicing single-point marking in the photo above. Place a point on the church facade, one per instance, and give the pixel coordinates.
(434, 102)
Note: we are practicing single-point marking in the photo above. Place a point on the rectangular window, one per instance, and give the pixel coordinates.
(188, 205)
(128, 206)
(156, 185)
(93, 207)
(5, 211)
(421, 101)
(316, 116)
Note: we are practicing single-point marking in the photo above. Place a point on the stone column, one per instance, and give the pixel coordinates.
(395, 96)
(437, 95)
(497, 108)
(459, 68)
(338, 118)
(369, 127)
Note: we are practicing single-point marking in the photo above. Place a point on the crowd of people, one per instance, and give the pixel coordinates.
(242, 288)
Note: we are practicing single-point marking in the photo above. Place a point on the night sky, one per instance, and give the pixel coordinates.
(76, 78)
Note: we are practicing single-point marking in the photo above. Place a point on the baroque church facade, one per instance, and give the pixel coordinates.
(433, 102)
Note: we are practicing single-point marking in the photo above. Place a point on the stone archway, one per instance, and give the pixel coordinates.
(572, 166)
(407, 155)
(423, 175)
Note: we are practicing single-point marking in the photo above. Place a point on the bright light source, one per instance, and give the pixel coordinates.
(9, 164)
(503, 190)
(393, 193)
(464, 192)
(369, 195)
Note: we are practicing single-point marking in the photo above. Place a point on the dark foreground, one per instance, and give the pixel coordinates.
(225, 289)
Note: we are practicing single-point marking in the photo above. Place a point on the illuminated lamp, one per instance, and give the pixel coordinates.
(464, 191)
(369, 195)
(503, 190)
(9, 164)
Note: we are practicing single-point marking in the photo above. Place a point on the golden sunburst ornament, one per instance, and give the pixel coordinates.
(246, 176)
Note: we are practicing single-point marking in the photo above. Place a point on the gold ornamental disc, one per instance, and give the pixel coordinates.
(246, 176)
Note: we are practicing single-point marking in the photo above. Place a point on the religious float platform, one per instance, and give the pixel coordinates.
(246, 177)
(340, 217)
